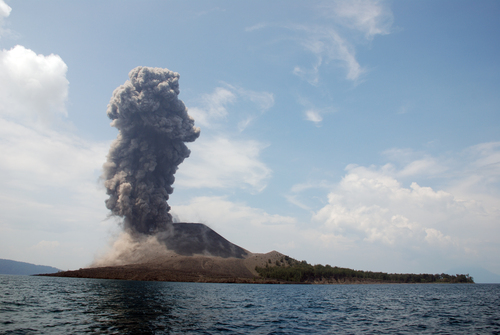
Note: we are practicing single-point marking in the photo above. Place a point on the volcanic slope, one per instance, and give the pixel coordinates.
(188, 252)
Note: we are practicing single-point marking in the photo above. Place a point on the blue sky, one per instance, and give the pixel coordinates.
(362, 134)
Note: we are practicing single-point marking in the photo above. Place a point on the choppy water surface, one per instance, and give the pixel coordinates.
(42, 305)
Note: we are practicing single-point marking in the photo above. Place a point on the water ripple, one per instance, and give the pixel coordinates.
(39, 305)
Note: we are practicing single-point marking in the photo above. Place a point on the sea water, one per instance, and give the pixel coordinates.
(45, 305)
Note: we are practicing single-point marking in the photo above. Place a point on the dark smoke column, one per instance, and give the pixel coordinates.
(153, 125)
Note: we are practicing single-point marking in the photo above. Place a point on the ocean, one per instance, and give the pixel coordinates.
(46, 305)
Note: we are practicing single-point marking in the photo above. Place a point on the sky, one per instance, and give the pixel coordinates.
(361, 134)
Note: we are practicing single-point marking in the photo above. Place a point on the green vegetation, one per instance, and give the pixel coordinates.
(291, 270)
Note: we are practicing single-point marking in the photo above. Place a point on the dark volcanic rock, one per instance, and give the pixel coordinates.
(188, 239)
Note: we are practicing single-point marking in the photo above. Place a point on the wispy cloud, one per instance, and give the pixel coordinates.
(330, 42)
(257, 26)
(4, 13)
(314, 116)
(370, 17)
(312, 113)
(327, 45)
(263, 100)
(316, 188)
(213, 107)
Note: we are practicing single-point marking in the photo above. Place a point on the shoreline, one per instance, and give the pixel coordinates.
(141, 274)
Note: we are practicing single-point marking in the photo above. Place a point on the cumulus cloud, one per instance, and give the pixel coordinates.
(33, 88)
(452, 210)
(370, 206)
(223, 163)
(33, 92)
(48, 177)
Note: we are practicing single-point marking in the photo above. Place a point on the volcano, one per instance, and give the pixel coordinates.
(188, 239)
(187, 252)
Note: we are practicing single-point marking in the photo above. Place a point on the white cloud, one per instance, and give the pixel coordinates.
(35, 156)
(314, 116)
(223, 163)
(486, 159)
(370, 17)
(312, 113)
(389, 214)
(257, 26)
(33, 88)
(427, 165)
(250, 228)
(479, 175)
(35, 159)
(371, 212)
(414, 163)
(4, 9)
(263, 100)
(434, 236)
(49, 180)
(331, 42)
(49, 187)
(213, 107)
(327, 45)
(4, 13)
(220, 160)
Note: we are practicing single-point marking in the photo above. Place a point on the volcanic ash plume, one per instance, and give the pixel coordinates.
(153, 125)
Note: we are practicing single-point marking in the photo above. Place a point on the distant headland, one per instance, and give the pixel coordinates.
(10, 267)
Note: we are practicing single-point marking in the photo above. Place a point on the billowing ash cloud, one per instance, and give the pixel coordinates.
(153, 125)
